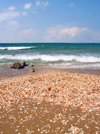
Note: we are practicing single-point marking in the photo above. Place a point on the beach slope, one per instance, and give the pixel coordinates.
(52, 102)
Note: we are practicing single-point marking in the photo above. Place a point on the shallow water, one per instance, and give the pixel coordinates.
(60, 55)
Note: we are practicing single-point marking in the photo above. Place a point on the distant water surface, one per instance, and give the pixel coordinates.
(62, 55)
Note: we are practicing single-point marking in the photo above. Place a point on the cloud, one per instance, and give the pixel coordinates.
(11, 8)
(68, 34)
(54, 30)
(72, 4)
(9, 15)
(24, 13)
(42, 4)
(28, 32)
(27, 6)
(35, 12)
(45, 4)
(38, 3)
(27, 35)
(13, 25)
(30, 35)
(96, 36)
(72, 31)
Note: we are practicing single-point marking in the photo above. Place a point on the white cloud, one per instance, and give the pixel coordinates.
(42, 4)
(45, 3)
(24, 13)
(35, 12)
(72, 4)
(9, 15)
(27, 35)
(65, 33)
(11, 8)
(13, 25)
(38, 3)
(27, 6)
(27, 32)
(53, 30)
(10, 36)
(96, 36)
(72, 31)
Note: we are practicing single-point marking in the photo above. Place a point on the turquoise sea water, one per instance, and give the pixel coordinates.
(62, 55)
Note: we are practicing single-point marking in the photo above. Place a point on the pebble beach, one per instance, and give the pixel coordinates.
(50, 102)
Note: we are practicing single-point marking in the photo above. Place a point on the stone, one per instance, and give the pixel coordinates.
(32, 70)
(16, 65)
(23, 64)
(32, 65)
(49, 88)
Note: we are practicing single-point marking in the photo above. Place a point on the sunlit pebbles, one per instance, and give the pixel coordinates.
(50, 103)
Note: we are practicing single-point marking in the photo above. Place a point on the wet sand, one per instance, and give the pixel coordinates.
(50, 101)
(6, 72)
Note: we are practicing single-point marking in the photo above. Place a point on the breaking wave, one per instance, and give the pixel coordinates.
(52, 58)
(16, 48)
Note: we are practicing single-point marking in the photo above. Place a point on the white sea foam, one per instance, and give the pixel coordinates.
(52, 58)
(72, 65)
(15, 48)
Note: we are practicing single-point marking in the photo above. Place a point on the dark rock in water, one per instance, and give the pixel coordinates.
(16, 65)
(32, 70)
(23, 64)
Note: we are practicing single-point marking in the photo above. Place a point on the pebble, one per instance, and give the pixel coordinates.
(67, 91)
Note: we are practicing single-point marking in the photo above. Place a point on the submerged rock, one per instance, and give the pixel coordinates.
(17, 65)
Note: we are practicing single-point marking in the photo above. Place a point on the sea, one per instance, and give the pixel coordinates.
(56, 55)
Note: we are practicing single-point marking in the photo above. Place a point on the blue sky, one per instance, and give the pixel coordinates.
(49, 21)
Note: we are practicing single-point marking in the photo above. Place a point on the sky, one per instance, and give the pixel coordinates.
(29, 21)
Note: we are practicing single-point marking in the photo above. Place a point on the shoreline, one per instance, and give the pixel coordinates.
(6, 72)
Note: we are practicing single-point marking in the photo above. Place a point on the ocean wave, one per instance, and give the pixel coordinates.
(52, 58)
(72, 65)
(16, 48)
